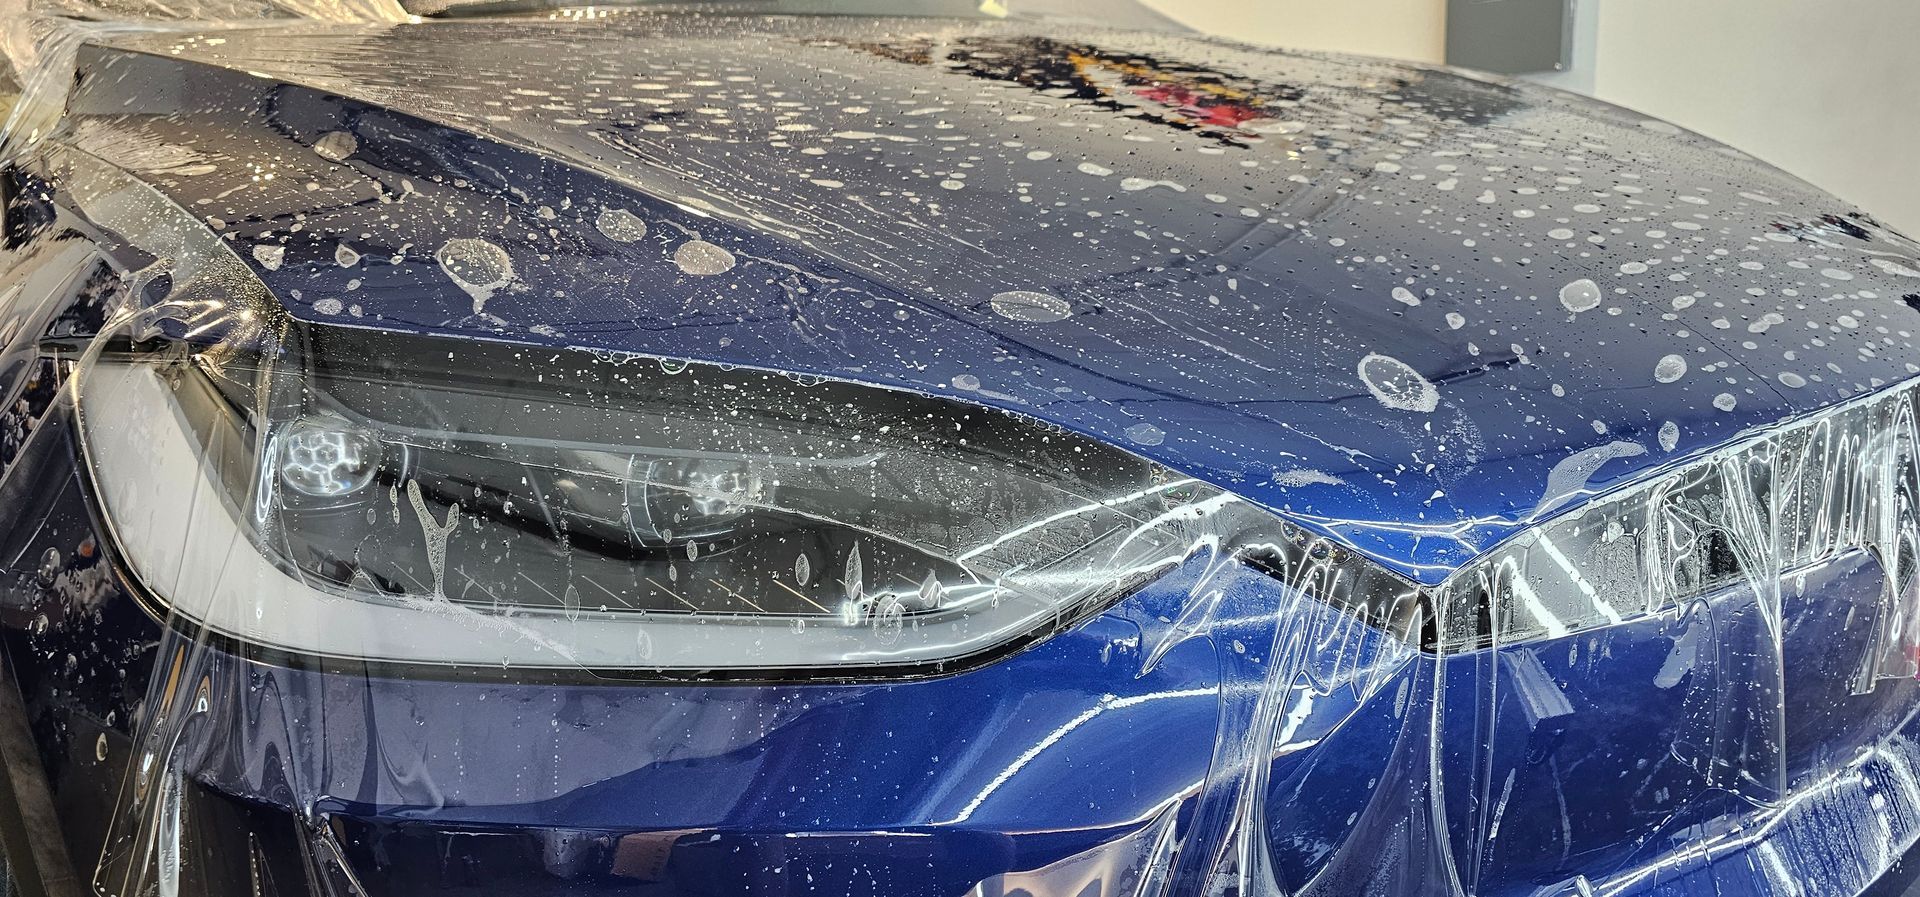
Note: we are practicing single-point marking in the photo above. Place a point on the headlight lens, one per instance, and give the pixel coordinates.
(361, 494)
(326, 457)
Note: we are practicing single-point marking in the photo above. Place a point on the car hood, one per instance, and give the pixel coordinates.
(1412, 308)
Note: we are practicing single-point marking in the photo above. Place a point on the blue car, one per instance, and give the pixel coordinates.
(746, 448)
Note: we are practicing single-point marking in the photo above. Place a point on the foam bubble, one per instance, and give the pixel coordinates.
(1396, 384)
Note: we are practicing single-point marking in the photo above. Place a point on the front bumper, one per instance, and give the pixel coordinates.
(1212, 733)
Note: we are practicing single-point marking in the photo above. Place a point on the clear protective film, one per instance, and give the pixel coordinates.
(407, 489)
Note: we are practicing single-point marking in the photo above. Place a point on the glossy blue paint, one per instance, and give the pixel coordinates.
(1652, 756)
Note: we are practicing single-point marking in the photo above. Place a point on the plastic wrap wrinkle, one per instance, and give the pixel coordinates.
(39, 39)
(571, 615)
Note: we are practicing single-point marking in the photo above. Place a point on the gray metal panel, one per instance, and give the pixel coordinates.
(1512, 36)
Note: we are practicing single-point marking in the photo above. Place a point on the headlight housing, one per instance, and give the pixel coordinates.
(355, 493)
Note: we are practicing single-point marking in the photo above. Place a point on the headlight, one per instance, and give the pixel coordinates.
(358, 494)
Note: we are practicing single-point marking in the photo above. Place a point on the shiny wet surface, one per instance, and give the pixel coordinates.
(1398, 304)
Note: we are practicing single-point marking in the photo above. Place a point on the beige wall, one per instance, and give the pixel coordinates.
(1829, 91)
(1401, 29)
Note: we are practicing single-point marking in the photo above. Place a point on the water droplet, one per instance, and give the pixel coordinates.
(702, 259)
(435, 533)
(1030, 307)
(889, 618)
(335, 146)
(1670, 368)
(345, 256)
(1405, 296)
(476, 266)
(1295, 479)
(933, 593)
(1146, 434)
(1135, 185)
(1580, 295)
(1271, 126)
(620, 225)
(854, 577)
(1725, 401)
(269, 255)
(1895, 268)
